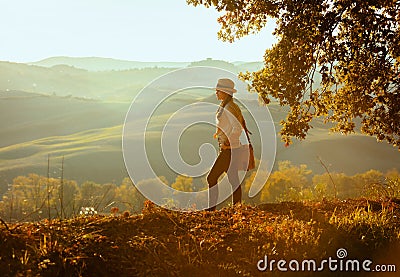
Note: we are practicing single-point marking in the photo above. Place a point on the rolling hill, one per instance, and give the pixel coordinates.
(88, 134)
(75, 77)
(105, 64)
(75, 113)
(108, 64)
(65, 80)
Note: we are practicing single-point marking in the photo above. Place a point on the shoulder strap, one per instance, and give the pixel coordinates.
(246, 131)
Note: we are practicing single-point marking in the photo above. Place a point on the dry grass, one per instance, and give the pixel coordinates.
(228, 242)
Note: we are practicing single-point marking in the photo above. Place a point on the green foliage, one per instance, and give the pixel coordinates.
(26, 198)
(183, 183)
(128, 197)
(387, 186)
(339, 60)
(346, 186)
(288, 183)
(297, 183)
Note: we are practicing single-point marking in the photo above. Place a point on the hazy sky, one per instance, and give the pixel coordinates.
(142, 30)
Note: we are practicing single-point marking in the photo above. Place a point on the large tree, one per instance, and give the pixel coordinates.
(335, 59)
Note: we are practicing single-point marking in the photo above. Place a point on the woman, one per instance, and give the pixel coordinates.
(229, 122)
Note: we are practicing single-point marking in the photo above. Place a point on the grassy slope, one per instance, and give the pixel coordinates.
(35, 125)
(228, 242)
(30, 118)
(88, 134)
(351, 154)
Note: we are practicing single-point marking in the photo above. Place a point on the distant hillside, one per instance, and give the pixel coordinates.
(235, 67)
(216, 63)
(67, 80)
(74, 78)
(105, 64)
(249, 66)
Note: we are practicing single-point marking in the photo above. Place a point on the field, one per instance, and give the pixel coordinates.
(229, 242)
(75, 111)
(88, 134)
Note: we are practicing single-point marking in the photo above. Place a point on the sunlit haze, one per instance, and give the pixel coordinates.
(152, 30)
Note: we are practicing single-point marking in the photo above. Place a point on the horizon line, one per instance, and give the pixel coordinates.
(128, 60)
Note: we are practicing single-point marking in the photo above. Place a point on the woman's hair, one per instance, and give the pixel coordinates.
(223, 104)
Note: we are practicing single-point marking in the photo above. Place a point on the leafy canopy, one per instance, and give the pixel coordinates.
(335, 59)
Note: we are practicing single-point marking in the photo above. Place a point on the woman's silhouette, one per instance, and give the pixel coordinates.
(229, 122)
